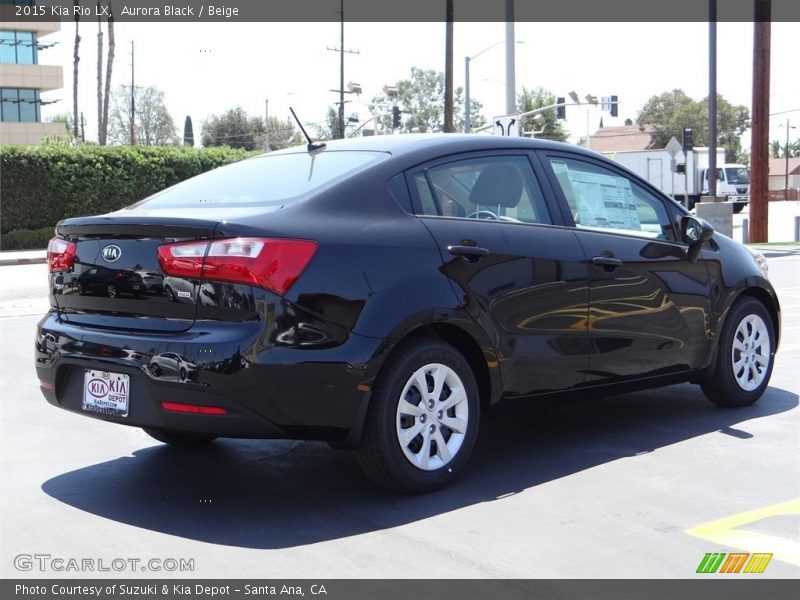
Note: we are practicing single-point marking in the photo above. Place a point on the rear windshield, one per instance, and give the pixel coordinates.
(269, 180)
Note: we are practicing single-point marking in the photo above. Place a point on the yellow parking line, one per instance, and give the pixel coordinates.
(727, 532)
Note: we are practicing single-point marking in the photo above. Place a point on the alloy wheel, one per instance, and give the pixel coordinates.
(750, 352)
(432, 417)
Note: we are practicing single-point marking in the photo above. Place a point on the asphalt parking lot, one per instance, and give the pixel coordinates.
(640, 485)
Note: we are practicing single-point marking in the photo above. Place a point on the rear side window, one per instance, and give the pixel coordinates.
(268, 180)
(501, 188)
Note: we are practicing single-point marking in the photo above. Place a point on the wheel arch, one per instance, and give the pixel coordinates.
(769, 301)
(756, 292)
(476, 349)
(487, 378)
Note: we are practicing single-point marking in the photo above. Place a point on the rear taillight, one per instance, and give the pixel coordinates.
(60, 254)
(274, 264)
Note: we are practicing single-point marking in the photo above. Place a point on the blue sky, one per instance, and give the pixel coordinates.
(206, 68)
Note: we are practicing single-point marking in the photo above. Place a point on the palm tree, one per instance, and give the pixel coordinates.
(99, 71)
(75, 60)
(109, 65)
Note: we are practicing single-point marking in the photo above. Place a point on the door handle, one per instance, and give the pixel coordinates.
(468, 253)
(607, 261)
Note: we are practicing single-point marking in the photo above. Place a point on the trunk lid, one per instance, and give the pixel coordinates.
(116, 280)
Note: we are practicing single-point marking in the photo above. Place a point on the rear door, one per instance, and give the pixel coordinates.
(523, 279)
(649, 304)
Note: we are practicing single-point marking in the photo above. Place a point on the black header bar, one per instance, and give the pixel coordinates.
(599, 11)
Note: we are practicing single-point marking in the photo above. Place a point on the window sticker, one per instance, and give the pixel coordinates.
(604, 200)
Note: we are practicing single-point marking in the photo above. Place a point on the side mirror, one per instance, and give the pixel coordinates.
(695, 232)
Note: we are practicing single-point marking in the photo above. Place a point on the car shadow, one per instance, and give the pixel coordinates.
(281, 494)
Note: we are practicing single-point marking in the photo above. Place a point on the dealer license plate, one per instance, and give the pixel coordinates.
(106, 393)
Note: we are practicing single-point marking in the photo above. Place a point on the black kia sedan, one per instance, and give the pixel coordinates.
(383, 293)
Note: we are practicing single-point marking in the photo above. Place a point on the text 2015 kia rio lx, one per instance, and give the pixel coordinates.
(381, 293)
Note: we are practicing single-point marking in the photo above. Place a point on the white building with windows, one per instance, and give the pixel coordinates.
(22, 81)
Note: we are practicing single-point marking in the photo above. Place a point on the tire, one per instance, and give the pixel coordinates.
(170, 294)
(390, 454)
(111, 290)
(174, 438)
(739, 207)
(745, 356)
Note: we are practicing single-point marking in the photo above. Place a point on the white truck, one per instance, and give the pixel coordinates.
(685, 177)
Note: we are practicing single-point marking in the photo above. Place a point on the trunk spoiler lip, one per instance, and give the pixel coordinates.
(137, 226)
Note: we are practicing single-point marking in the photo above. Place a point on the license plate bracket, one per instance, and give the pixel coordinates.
(106, 393)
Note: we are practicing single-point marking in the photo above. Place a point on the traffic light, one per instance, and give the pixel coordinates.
(614, 103)
(561, 110)
(395, 117)
(688, 139)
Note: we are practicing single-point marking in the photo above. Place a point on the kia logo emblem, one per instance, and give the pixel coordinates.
(111, 253)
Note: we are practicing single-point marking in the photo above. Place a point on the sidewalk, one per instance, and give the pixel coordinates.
(23, 257)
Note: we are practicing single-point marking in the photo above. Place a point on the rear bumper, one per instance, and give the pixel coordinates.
(270, 385)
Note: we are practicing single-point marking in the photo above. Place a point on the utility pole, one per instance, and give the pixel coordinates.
(83, 128)
(712, 98)
(341, 70)
(133, 99)
(448, 69)
(759, 149)
(341, 52)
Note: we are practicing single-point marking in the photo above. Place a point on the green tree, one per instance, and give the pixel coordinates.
(188, 132)
(329, 128)
(531, 99)
(421, 100)
(61, 138)
(66, 119)
(671, 111)
(234, 128)
(778, 149)
(282, 134)
(154, 125)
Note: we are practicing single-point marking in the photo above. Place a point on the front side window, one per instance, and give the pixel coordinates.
(501, 188)
(603, 200)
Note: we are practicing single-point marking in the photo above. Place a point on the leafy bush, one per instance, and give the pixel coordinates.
(23, 239)
(40, 185)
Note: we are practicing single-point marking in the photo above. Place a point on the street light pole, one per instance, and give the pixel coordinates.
(467, 110)
(786, 157)
(266, 125)
(467, 60)
(511, 86)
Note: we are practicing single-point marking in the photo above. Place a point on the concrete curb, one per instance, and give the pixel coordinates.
(23, 258)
